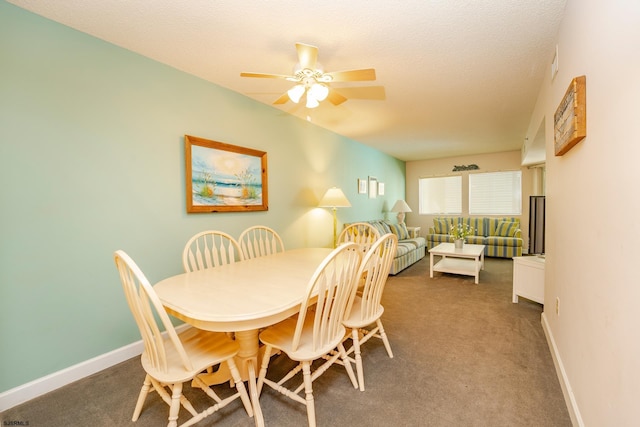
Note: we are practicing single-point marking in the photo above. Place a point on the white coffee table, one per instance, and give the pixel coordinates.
(468, 261)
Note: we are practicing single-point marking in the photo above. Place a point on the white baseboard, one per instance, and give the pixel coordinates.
(40, 386)
(569, 397)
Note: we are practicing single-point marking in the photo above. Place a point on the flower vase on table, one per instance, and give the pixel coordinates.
(458, 233)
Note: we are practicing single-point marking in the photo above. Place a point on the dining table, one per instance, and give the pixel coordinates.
(242, 298)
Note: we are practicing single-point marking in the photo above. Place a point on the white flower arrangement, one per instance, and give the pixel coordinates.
(460, 231)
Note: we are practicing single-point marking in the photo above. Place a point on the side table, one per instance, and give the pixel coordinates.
(413, 232)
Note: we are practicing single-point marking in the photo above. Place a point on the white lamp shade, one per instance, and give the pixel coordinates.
(401, 206)
(334, 198)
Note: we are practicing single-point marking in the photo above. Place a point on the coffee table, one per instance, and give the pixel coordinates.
(468, 261)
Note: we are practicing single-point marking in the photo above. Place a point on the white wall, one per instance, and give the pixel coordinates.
(593, 206)
(510, 160)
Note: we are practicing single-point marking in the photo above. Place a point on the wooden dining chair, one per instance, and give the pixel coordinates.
(169, 358)
(317, 330)
(361, 233)
(365, 308)
(209, 249)
(258, 241)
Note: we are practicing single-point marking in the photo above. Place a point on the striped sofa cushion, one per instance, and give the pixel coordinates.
(409, 251)
(435, 239)
(381, 226)
(502, 241)
(441, 225)
(506, 229)
(492, 224)
(400, 230)
(502, 251)
(475, 240)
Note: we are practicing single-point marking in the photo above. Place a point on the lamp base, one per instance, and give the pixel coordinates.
(400, 217)
(335, 227)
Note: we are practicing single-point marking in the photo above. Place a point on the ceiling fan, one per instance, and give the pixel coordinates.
(312, 81)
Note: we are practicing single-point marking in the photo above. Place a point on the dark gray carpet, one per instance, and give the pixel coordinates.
(464, 356)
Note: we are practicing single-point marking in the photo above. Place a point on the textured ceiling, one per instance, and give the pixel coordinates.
(459, 76)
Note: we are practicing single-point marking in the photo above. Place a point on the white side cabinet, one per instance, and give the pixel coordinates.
(528, 278)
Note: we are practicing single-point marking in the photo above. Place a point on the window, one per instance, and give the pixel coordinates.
(495, 193)
(441, 195)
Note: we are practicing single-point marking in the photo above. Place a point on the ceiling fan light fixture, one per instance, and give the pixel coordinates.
(312, 82)
(296, 92)
(311, 101)
(318, 91)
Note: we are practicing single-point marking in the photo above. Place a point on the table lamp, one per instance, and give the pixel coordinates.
(334, 198)
(401, 207)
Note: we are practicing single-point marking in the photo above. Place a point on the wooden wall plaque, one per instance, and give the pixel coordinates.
(570, 119)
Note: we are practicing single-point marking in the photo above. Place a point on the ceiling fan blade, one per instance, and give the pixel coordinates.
(282, 100)
(364, 92)
(307, 55)
(266, 76)
(335, 98)
(353, 75)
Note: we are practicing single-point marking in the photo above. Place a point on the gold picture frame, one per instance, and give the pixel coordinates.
(222, 177)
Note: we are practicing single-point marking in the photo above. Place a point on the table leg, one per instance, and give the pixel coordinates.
(221, 376)
(477, 270)
(249, 350)
(255, 398)
(247, 360)
(431, 264)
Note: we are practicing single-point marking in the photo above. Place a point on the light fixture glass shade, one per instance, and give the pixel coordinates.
(318, 91)
(401, 206)
(334, 198)
(311, 101)
(295, 93)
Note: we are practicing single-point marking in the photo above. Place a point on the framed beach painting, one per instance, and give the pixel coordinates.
(222, 177)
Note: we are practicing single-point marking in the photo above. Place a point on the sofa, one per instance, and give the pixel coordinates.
(501, 236)
(411, 249)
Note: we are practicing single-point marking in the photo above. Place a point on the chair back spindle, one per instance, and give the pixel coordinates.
(361, 233)
(259, 241)
(334, 284)
(209, 249)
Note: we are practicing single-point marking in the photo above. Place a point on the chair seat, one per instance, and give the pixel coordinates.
(279, 336)
(204, 348)
(355, 320)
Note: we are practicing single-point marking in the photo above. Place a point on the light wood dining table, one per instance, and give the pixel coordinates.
(242, 298)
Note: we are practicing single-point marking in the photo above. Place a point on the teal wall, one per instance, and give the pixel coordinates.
(92, 160)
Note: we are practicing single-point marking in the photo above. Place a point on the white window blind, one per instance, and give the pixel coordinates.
(495, 193)
(440, 196)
